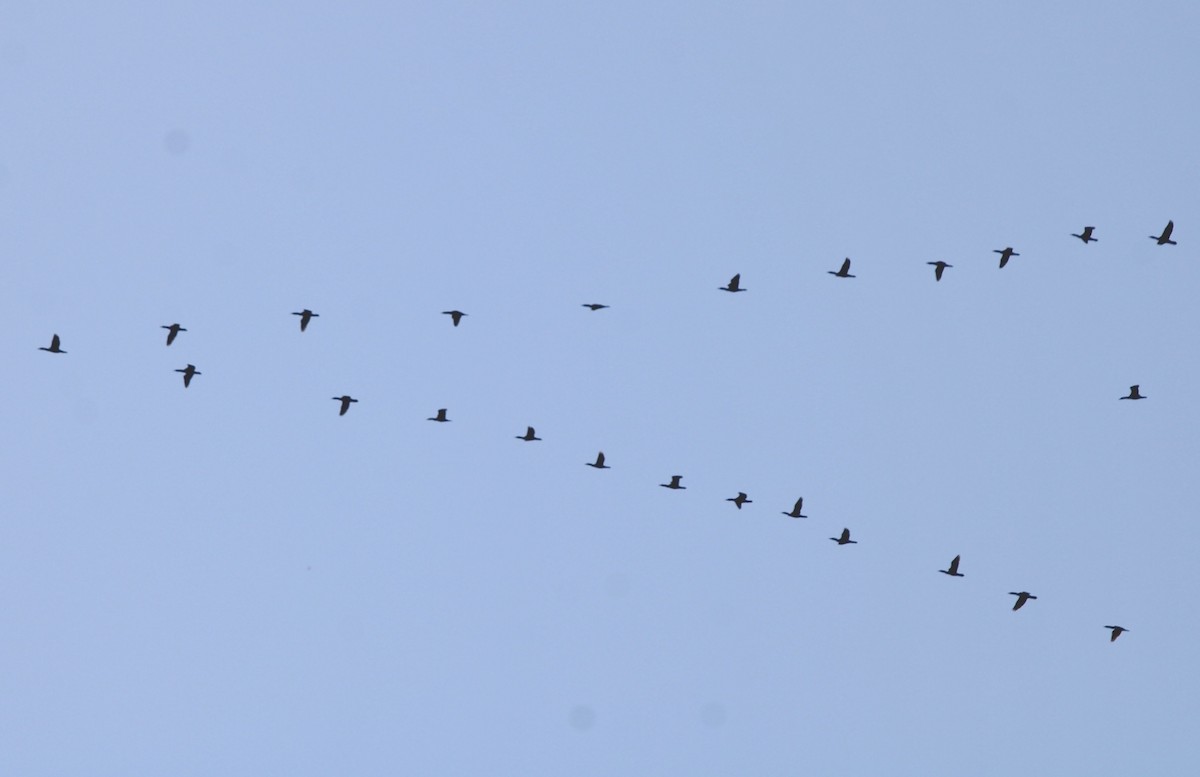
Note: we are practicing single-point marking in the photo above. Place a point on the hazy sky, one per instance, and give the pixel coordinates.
(231, 579)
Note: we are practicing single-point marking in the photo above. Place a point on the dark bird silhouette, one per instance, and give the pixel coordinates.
(441, 416)
(306, 315)
(938, 269)
(795, 513)
(1133, 392)
(345, 400)
(674, 483)
(54, 341)
(844, 539)
(1022, 597)
(528, 436)
(740, 500)
(455, 315)
(734, 284)
(188, 372)
(953, 570)
(594, 306)
(1165, 237)
(173, 330)
(844, 272)
(1005, 255)
(1086, 237)
(1116, 632)
(599, 464)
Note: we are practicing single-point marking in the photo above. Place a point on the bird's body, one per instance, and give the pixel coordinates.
(455, 315)
(1005, 255)
(345, 400)
(441, 416)
(734, 284)
(1134, 393)
(54, 343)
(594, 306)
(1022, 597)
(938, 269)
(740, 500)
(844, 539)
(188, 372)
(1165, 238)
(953, 570)
(844, 271)
(306, 315)
(674, 483)
(172, 331)
(795, 513)
(1116, 632)
(529, 435)
(1086, 235)
(599, 463)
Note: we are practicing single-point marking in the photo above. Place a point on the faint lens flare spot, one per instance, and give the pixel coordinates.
(582, 717)
(713, 714)
(86, 412)
(177, 142)
(616, 585)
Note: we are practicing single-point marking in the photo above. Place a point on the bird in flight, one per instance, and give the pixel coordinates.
(674, 483)
(938, 269)
(345, 400)
(1133, 392)
(1005, 255)
(844, 539)
(844, 272)
(795, 513)
(740, 500)
(173, 330)
(188, 372)
(441, 416)
(1022, 597)
(306, 315)
(529, 435)
(734, 284)
(455, 315)
(594, 306)
(1165, 237)
(599, 463)
(1086, 237)
(953, 570)
(1116, 632)
(54, 341)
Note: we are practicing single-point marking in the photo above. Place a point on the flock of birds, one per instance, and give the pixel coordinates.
(734, 285)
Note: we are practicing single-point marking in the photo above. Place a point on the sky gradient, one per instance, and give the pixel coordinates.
(232, 579)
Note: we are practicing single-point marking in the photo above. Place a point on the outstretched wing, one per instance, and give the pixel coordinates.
(845, 267)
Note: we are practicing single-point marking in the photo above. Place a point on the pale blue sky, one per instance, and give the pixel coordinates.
(232, 579)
